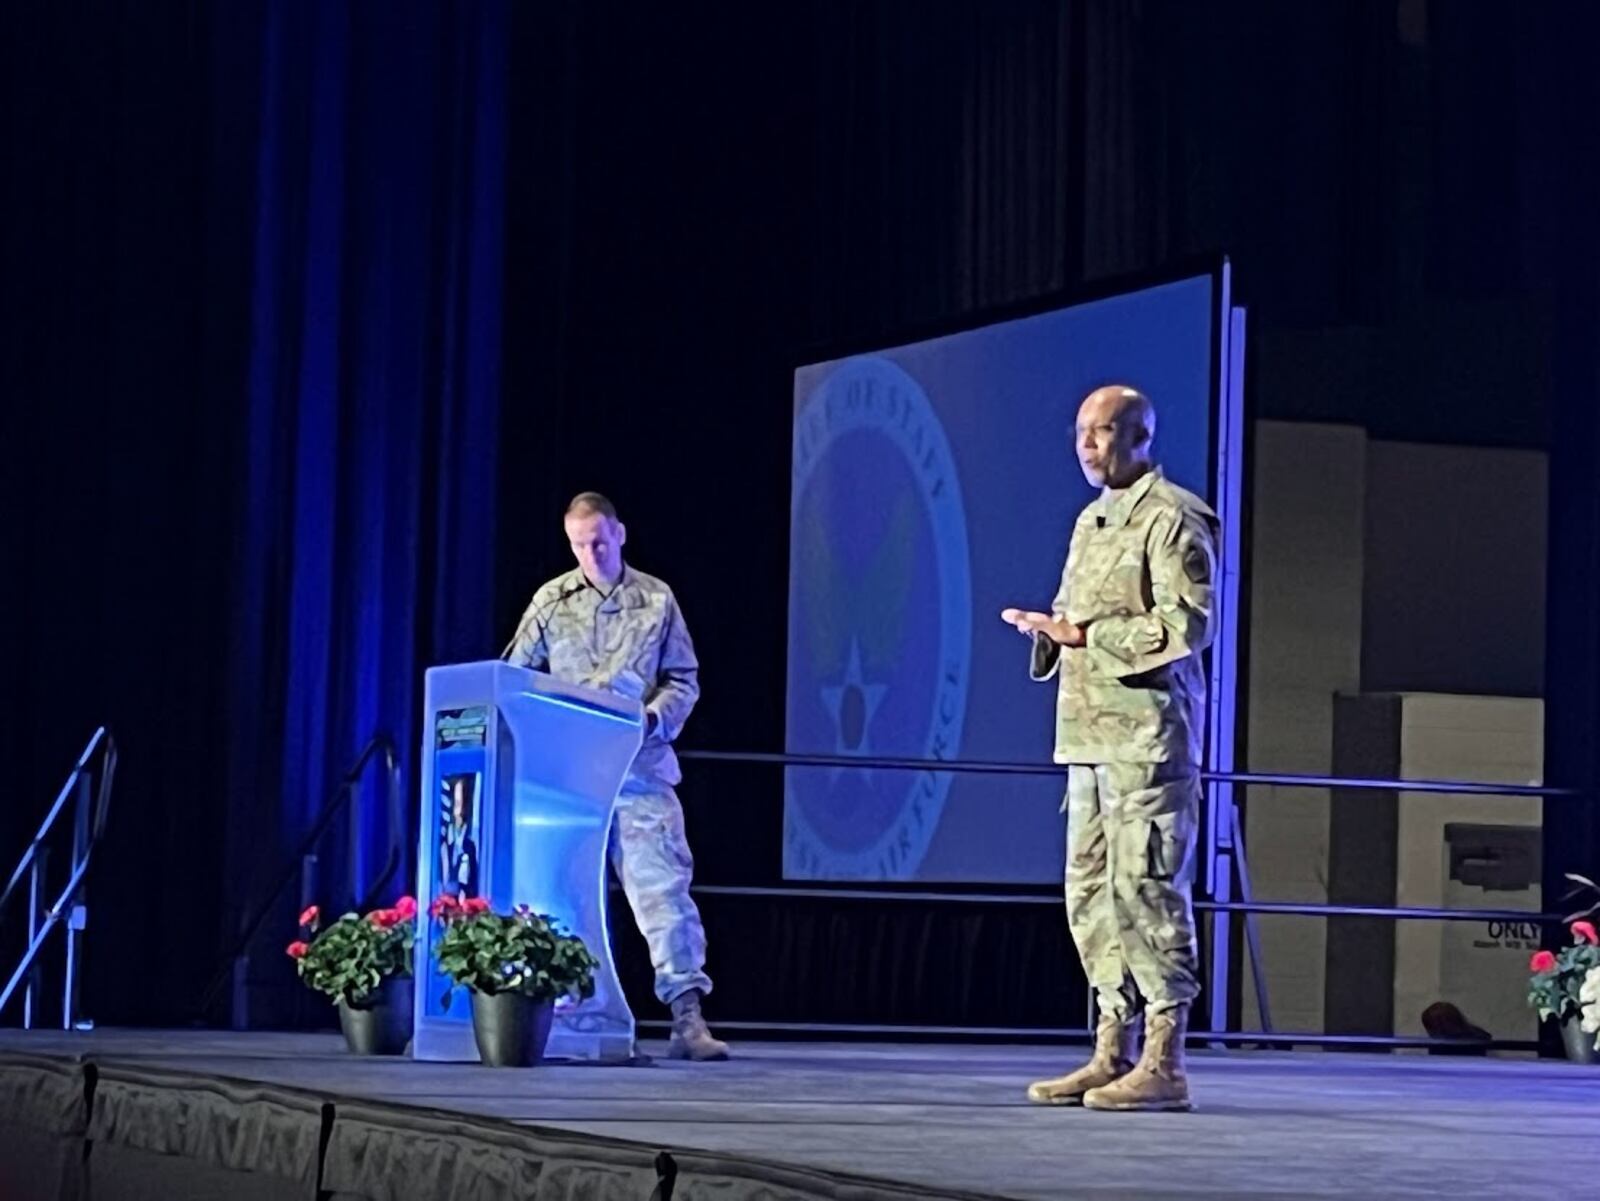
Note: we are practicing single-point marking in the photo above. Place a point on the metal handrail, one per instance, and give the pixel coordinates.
(49, 821)
(251, 925)
(984, 767)
(89, 828)
(988, 767)
(1290, 908)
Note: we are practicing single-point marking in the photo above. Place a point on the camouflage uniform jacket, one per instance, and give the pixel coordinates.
(632, 642)
(1139, 577)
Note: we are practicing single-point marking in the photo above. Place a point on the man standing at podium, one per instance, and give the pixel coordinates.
(1125, 635)
(608, 626)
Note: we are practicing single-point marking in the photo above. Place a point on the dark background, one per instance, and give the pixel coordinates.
(313, 316)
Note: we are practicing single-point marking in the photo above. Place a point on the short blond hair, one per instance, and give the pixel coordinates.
(591, 502)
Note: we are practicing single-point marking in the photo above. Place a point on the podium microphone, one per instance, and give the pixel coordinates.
(543, 611)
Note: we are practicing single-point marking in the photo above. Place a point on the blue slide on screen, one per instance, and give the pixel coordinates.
(933, 485)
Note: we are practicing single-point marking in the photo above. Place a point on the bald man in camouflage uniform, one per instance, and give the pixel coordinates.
(608, 626)
(1124, 636)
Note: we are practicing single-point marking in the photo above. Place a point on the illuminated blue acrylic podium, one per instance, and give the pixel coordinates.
(519, 775)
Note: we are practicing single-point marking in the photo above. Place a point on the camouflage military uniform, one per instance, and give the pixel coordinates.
(634, 642)
(1129, 723)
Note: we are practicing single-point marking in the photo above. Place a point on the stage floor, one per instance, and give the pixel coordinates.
(953, 1118)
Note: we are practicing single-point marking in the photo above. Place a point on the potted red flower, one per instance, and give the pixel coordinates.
(518, 967)
(362, 962)
(1557, 982)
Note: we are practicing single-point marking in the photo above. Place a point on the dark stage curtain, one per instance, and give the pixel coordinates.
(125, 243)
(252, 313)
(367, 511)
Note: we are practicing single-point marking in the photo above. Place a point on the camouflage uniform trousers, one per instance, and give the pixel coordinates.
(650, 852)
(1131, 833)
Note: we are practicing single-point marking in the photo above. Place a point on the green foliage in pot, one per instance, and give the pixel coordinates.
(520, 952)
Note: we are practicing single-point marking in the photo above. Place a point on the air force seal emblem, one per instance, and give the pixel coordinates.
(880, 623)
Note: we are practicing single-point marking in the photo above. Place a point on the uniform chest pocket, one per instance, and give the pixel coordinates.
(563, 626)
(1112, 569)
(566, 635)
(630, 636)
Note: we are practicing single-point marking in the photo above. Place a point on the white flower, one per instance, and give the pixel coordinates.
(1589, 990)
(1589, 997)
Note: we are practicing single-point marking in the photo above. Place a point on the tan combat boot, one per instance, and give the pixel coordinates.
(691, 1038)
(1114, 1044)
(1158, 1081)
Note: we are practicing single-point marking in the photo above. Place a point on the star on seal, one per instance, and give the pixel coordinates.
(853, 703)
